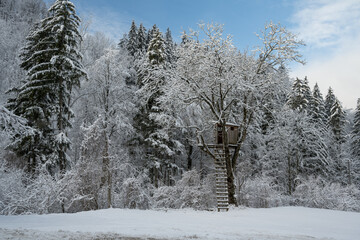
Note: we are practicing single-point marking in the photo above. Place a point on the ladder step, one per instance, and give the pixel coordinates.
(223, 205)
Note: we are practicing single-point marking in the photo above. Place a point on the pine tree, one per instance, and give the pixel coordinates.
(53, 66)
(157, 142)
(142, 46)
(133, 43)
(307, 92)
(355, 134)
(150, 34)
(123, 42)
(337, 121)
(66, 61)
(300, 95)
(355, 144)
(329, 102)
(317, 106)
(33, 102)
(169, 47)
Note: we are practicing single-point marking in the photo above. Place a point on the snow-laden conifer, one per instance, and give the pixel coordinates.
(317, 106)
(133, 41)
(301, 95)
(337, 121)
(53, 64)
(329, 102)
(356, 133)
(151, 120)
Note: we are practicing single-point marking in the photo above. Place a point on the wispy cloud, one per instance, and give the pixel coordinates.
(331, 29)
(113, 23)
(327, 22)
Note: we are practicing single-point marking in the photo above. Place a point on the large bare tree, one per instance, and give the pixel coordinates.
(229, 85)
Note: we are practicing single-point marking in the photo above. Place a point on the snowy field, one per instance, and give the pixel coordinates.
(268, 224)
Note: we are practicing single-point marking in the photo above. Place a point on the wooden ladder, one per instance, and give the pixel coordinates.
(222, 193)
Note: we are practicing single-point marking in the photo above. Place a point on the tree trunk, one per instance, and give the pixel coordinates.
(61, 150)
(229, 168)
(289, 175)
(156, 177)
(189, 159)
(349, 171)
(106, 179)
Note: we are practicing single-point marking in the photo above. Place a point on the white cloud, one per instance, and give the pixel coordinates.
(327, 22)
(331, 29)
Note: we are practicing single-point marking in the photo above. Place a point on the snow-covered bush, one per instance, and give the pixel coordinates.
(259, 192)
(11, 188)
(21, 194)
(189, 192)
(135, 193)
(317, 193)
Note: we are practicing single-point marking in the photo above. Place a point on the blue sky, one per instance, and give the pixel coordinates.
(330, 28)
(241, 18)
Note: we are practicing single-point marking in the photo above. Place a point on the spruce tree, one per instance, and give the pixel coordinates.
(142, 35)
(300, 94)
(337, 121)
(317, 106)
(169, 47)
(133, 43)
(329, 102)
(52, 61)
(150, 34)
(33, 102)
(355, 134)
(154, 137)
(123, 42)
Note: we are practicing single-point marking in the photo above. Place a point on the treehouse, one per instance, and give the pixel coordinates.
(232, 131)
(217, 138)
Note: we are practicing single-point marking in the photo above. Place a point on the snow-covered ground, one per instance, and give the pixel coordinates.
(269, 224)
